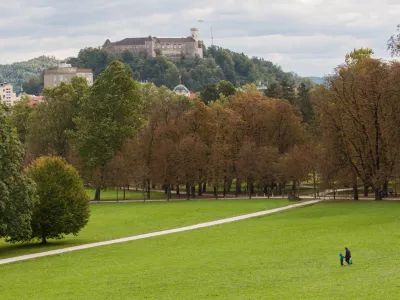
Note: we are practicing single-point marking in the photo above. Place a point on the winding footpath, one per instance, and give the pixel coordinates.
(154, 234)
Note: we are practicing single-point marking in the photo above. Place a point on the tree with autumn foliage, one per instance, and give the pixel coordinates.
(359, 105)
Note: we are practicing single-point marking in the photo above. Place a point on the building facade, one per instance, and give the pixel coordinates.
(64, 73)
(173, 48)
(7, 95)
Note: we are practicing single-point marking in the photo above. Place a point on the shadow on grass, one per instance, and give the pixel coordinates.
(9, 249)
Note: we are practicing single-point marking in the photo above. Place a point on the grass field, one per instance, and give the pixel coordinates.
(115, 220)
(111, 194)
(289, 255)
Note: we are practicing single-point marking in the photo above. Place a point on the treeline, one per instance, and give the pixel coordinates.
(121, 133)
(218, 64)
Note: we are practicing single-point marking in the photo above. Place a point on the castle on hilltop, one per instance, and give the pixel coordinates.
(173, 48)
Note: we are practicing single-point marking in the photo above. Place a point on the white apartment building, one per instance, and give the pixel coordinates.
(7, 95)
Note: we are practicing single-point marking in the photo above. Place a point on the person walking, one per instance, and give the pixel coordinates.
(347, 255)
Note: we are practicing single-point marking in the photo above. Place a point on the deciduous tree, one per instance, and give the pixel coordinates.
(63, 206)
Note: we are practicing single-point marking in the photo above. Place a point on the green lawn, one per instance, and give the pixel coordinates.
(289, 255)
(115, 220)
(111, 194)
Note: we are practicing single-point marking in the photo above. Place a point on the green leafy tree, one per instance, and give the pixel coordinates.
(34, 85)
(19, 118)
(17, 192)
(304, 102)
(63, 206)
(110, 114)
(274, 91)
(226, 88)
(288, 88)
(209, 93)
(357, 56)
(52, 119)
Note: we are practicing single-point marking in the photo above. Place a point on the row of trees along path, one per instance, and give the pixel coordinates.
(122, 133)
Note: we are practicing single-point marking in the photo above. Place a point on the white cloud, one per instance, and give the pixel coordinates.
(309, 37)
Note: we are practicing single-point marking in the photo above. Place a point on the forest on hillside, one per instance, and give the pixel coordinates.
(20, 73)
(218, 64)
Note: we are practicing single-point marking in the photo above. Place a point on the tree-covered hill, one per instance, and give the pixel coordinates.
(218, 64)
(20, 72)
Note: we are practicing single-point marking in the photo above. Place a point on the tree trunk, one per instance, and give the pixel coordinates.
(178, 191)
(168, 192)
(124, 192)
(166, 189)
(355, 191)
(265, 190)
(229, 185)
(200, 189)
(97, 195)
(366, 187)
(215, 192)
(205, 187)
(193, 191)
(44, 241)
(117, 195)
(378, 194)
(385, 189)
(249, 189)
(187, 191)
(148, 189)
(315, 184)
(225, 183)
(279, 189)
(238, 188)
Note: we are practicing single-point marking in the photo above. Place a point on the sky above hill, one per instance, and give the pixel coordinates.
(309, 37)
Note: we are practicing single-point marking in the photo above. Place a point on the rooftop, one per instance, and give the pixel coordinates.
(71, 70)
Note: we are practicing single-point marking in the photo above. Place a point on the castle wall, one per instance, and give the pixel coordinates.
(172, 48)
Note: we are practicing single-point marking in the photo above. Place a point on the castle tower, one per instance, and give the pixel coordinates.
(195, 33)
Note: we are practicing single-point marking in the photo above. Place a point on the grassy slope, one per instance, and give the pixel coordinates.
(115, 220)
(290, 255)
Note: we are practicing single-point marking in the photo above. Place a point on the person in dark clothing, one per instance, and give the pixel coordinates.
(341, 259)
(347, 255)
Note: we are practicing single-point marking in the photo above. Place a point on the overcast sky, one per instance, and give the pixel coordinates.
(309, 37)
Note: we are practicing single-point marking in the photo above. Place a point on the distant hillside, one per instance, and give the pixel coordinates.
(18, 73)
(218, 64)
(317, 80)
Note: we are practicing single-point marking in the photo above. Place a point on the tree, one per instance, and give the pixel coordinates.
(63, 206)
(288, 89)
(34, 85)
(360, 107)
(274, 91)
(226, 88)
(110, 114)
(209, 93)
(19, 118)
(52, 120)
(357, 56)
(393, 44)
(17, 192)
(304, 103)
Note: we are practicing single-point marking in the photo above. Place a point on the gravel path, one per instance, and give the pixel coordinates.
(153, 234)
